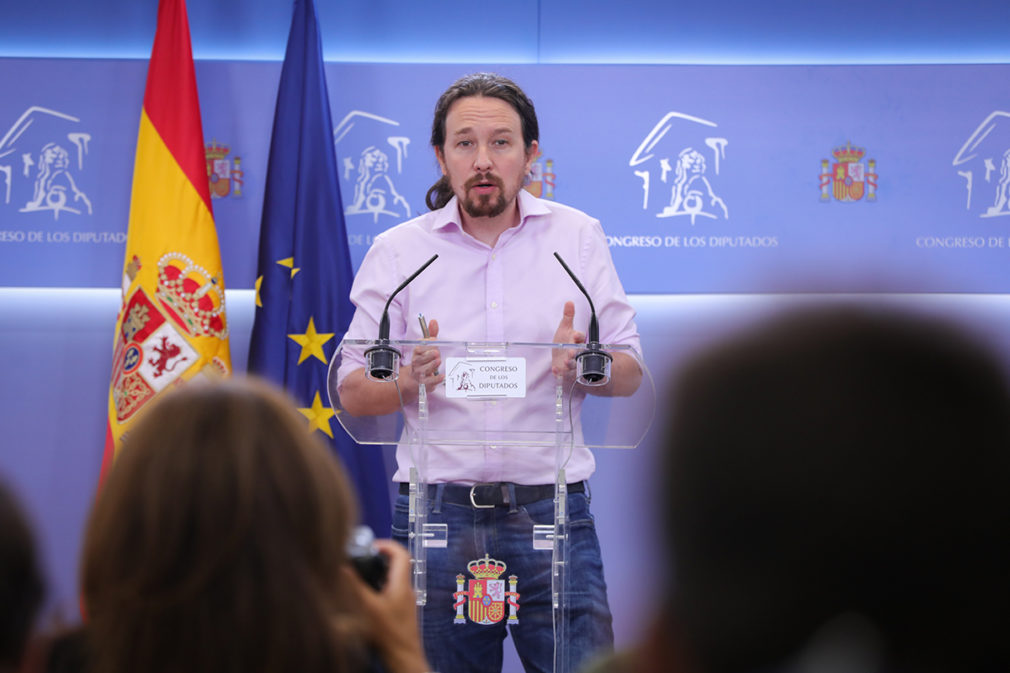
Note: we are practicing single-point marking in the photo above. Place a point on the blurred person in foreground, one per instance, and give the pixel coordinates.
(21, 584)
(218, 544)
(837, 502)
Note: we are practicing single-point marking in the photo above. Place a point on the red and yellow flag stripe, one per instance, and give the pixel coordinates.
(172, 325)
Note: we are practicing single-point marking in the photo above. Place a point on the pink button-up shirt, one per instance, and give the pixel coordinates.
(513, 292)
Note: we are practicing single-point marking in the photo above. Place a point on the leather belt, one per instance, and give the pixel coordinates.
(494, 494)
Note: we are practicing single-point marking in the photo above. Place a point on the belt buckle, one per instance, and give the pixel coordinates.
(473, 501)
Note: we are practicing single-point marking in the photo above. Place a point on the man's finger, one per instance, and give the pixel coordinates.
(433, 334)
(567, 316)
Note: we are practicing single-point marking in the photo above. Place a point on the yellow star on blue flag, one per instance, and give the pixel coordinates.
(311, 342)
(319, 415)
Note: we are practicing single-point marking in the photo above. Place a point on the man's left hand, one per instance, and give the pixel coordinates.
(563, 359)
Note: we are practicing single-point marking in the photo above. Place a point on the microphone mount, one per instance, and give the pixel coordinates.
(592, 365)
(382, 361)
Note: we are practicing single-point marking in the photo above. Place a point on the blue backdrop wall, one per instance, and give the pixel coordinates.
(739, 156)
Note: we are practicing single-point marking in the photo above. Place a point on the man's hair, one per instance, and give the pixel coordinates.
(841, 461)
(217, 541)
(21, 585)
(488, 85)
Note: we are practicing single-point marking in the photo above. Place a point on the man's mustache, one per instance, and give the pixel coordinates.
(485, 178)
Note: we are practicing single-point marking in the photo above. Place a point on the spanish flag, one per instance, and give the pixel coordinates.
(171, 327)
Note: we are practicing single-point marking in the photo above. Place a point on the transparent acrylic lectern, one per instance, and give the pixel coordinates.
(503, 398)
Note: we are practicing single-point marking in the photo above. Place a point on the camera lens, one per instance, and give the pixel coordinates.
(370, 565)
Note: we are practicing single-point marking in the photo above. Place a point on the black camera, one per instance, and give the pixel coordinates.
(370, 565)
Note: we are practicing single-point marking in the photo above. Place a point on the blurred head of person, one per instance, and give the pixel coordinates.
(838, 495)
(21, 584)
(217, 539)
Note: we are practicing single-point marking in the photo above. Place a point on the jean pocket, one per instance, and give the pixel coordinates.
(401, 517)
(541, 512)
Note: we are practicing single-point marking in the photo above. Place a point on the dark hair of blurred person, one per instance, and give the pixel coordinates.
(217, 545)
(21, 584)
(835, 485)
(838, 497)
(61, 650)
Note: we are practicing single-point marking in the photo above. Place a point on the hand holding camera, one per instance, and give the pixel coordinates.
(388, 604)
(368, 562)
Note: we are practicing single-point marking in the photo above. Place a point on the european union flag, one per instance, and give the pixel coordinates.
(304, 270)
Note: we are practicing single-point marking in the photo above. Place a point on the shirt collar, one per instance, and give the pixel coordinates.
(530, 206)
(447, 216)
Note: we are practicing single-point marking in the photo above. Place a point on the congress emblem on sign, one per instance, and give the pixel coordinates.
(485, 597)
(849, 178)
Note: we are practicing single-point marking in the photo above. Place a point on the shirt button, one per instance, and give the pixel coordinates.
(494, 304)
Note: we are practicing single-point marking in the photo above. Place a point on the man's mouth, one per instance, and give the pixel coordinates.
(483, 184)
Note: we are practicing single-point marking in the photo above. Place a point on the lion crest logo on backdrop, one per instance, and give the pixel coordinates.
(43, 164)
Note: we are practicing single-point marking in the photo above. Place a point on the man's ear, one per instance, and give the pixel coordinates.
(440, 156)
(531, 155)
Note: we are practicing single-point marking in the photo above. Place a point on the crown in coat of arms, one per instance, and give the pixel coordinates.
(217, 151)
(193, 296)
(848, 154)
(486, 568)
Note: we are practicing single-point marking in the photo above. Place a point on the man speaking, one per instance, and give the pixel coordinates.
(496, 280)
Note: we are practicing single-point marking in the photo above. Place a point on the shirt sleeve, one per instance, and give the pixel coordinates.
(614, 312)
(369, 291)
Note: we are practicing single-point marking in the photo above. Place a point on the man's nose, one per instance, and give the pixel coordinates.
(482, 160)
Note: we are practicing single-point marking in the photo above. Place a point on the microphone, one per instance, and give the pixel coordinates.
(382, 360)
(592, 366)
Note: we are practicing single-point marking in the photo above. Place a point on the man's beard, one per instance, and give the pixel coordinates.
(484, 205)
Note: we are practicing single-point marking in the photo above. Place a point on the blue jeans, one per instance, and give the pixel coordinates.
(505, 533)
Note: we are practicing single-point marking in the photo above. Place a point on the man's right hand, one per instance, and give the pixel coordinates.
(426, 361)
(362, 396)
